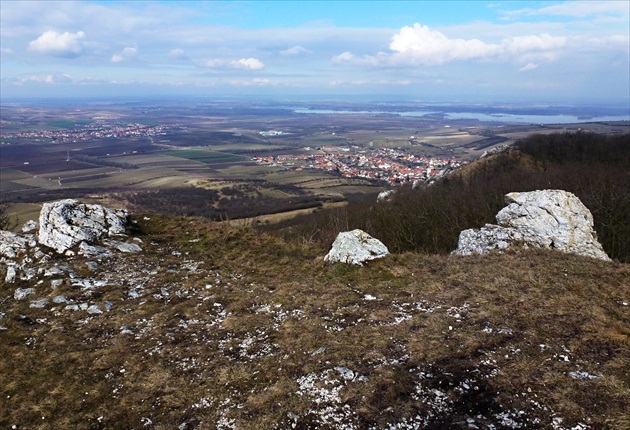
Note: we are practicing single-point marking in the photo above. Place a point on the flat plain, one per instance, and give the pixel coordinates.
(124, 149)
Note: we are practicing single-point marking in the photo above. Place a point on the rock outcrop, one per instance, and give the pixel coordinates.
(385, 196)
(67, 223)
(355, 247)
(546, 219)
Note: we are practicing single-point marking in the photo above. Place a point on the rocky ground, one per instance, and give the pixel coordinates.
(187, 324)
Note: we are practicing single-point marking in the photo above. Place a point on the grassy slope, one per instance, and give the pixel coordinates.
(238, 330)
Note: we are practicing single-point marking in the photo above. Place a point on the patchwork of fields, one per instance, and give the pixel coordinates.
(50, 153)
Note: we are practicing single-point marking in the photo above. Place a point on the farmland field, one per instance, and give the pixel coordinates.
(264, 157)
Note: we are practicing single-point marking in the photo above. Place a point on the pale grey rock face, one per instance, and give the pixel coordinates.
(355, 247)
(546, 219)
(66, 223)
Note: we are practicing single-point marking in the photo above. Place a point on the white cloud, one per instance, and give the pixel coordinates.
(58, 44)
(6, 50)
(54, 78)
(243, 63)
(420, 45)
(248, 63)
(126, 54)
(177, 54)
(528, 67)
(296, 50)
(524, 44)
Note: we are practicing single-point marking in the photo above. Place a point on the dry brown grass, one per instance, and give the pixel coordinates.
(257, 334)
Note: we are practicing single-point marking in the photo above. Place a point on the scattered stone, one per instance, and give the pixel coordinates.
(66, 223)
(124, 247)
(93, 250)
(92, 265)
(11, 273)
(60, 299)
(22, 293)
(54, 271)
(553, 219)
(583, 376)
(30, 226)
(108, 306)
(39, 303)
(83, 306)
(345, 373)
(94, 309)
(71, 308)
(355, 247)
(56, 283)
(12, 244)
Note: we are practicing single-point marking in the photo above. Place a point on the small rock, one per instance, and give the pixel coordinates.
(11, 273)
(94, 309)
(56, 283)
(39, 303)
(71, 308)
(22, 293)
(83, 306)
(92, 265)
(345, 373)
(124, 247)
(52, 271)
(30, 226)
(93, 250)
(60, 299)
(108, 306)
(583, 376)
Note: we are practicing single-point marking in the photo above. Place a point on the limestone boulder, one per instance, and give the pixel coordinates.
(66, 223)
(546, 219)
(355, 247)
(385, 196)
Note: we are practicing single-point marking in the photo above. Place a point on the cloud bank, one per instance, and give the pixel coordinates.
(420, 45)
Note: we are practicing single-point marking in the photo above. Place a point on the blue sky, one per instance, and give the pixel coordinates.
(505, 51)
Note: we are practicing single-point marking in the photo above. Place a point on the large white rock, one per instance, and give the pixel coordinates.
(66, 223)
(545, 219)
(355, 247)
